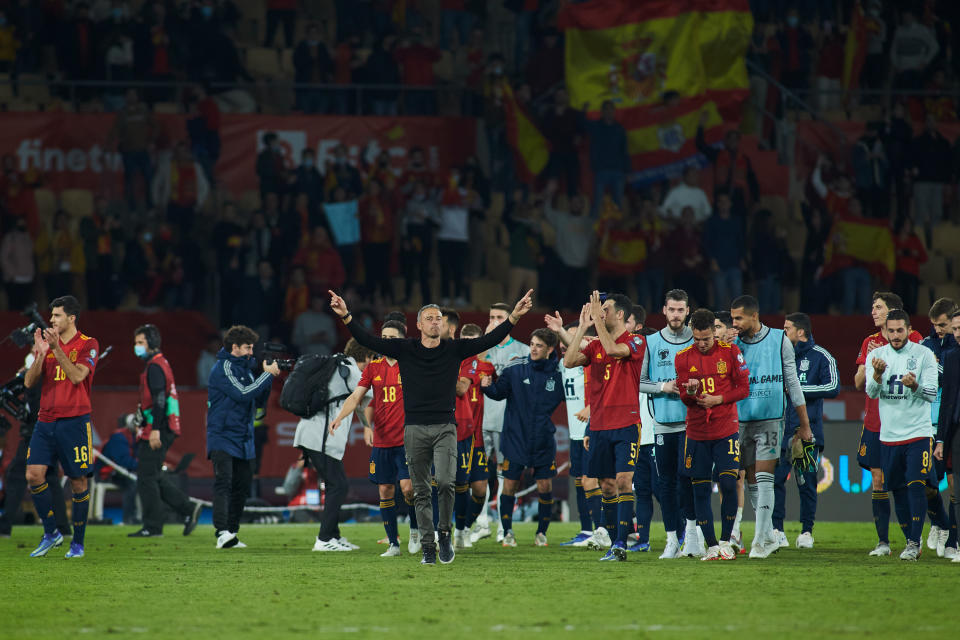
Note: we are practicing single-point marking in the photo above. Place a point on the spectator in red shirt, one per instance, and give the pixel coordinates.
(416, 58)
(795, 46)
(689, 264)
(910, 255)
(203, 126)
(321, 262)
(281, 12)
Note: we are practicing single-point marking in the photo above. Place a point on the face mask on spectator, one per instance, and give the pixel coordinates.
(313, 43)
(148, 237)
(308, 162)
(792, 21)
(207, 11)
(140, 351)
(118, 13)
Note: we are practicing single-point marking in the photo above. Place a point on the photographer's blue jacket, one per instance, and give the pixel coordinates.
(232, 398)
(817, 371)
(532, 389)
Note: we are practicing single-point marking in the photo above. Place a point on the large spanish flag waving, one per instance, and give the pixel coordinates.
(863, 241)
(662, 62)
(530, 148)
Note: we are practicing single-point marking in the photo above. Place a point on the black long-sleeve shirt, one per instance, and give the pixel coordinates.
(429, 375)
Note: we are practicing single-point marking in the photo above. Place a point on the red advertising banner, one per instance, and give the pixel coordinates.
(71, 149)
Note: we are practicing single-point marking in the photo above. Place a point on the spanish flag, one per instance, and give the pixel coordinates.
(531, 149)
(855, 51)
(662, 63)
(862, 241)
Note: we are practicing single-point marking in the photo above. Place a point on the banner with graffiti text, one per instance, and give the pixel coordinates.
(74, 150)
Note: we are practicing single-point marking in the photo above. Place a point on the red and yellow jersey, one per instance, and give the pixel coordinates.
(60, 398)
(871, 407)
(388, 418)
(614, 384)
(721, 371)
(482, 368)
(464, 409)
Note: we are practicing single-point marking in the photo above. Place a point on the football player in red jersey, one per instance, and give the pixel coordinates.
(614, 436)
(472, 472)
(388, 458)
(66, 360)
(713, 377)
(868, 453)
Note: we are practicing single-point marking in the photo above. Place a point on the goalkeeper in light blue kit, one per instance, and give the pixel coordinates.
(903, 376)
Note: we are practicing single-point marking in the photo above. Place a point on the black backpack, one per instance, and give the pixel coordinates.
(306, 390)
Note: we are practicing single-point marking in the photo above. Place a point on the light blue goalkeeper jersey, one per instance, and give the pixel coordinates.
(904, 414)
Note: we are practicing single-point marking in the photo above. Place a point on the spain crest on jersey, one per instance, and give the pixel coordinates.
(550, 385)
(721, 367)
(73, 356)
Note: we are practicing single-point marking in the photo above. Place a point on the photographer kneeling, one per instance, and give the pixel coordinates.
(24, 404)
(160, 426)
(233, 395)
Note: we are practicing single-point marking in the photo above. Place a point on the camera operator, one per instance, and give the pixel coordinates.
(15, 479)
(233, 395)
(160, 408)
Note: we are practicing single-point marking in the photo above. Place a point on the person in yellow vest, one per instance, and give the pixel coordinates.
(160, 426)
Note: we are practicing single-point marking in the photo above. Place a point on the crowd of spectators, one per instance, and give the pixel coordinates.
(390, 237)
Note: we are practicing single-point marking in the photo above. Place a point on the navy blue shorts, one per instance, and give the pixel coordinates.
(647, 479)
(388, 465)
(578, 458)
(67, 440)
(868, 455)
(613, 451)
(514, 471)
(904, 464)
(701, 456)
(669, 454)
(471, 462)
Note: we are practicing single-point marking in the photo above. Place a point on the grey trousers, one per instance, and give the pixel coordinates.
(436, 445)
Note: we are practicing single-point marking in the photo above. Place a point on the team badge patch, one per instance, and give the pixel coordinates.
(804, 365)
(550, 384)
(93, 353)
(863, 450)
(693, 369)
(721, 367)
(660, 440)
(638, 339)
(688, 462)
(663, 353)
(740, 358)
(911, 363)
(373, 467)
(73, 356)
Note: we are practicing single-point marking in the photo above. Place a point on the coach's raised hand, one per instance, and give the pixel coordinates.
(338, 305)
(523, 305)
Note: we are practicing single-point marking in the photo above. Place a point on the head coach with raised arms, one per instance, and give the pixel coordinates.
(429, 367)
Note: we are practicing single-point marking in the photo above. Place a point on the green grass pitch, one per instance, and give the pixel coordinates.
(176, 587)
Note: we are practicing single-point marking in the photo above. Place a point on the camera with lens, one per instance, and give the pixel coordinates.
(23, 337)
(13, 403)
(274, 352)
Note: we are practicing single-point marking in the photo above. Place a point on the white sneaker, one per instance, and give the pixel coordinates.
(950, 553)
(461, 540)
(499, 532)
(911, 552)
(540, 540)
(225, 540)
(349, 545)
(329, 545)
(413, 545)
(942, 542)
(479, 531)
(722, 551)
(932, 537)
(882, 549)
(600, 540)
(764, 549)
(692, 545)
(956, 556)
(805, 540)
(239, 545)
(671, 551)
(392, 551)
(781, 538)
(509, 540)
